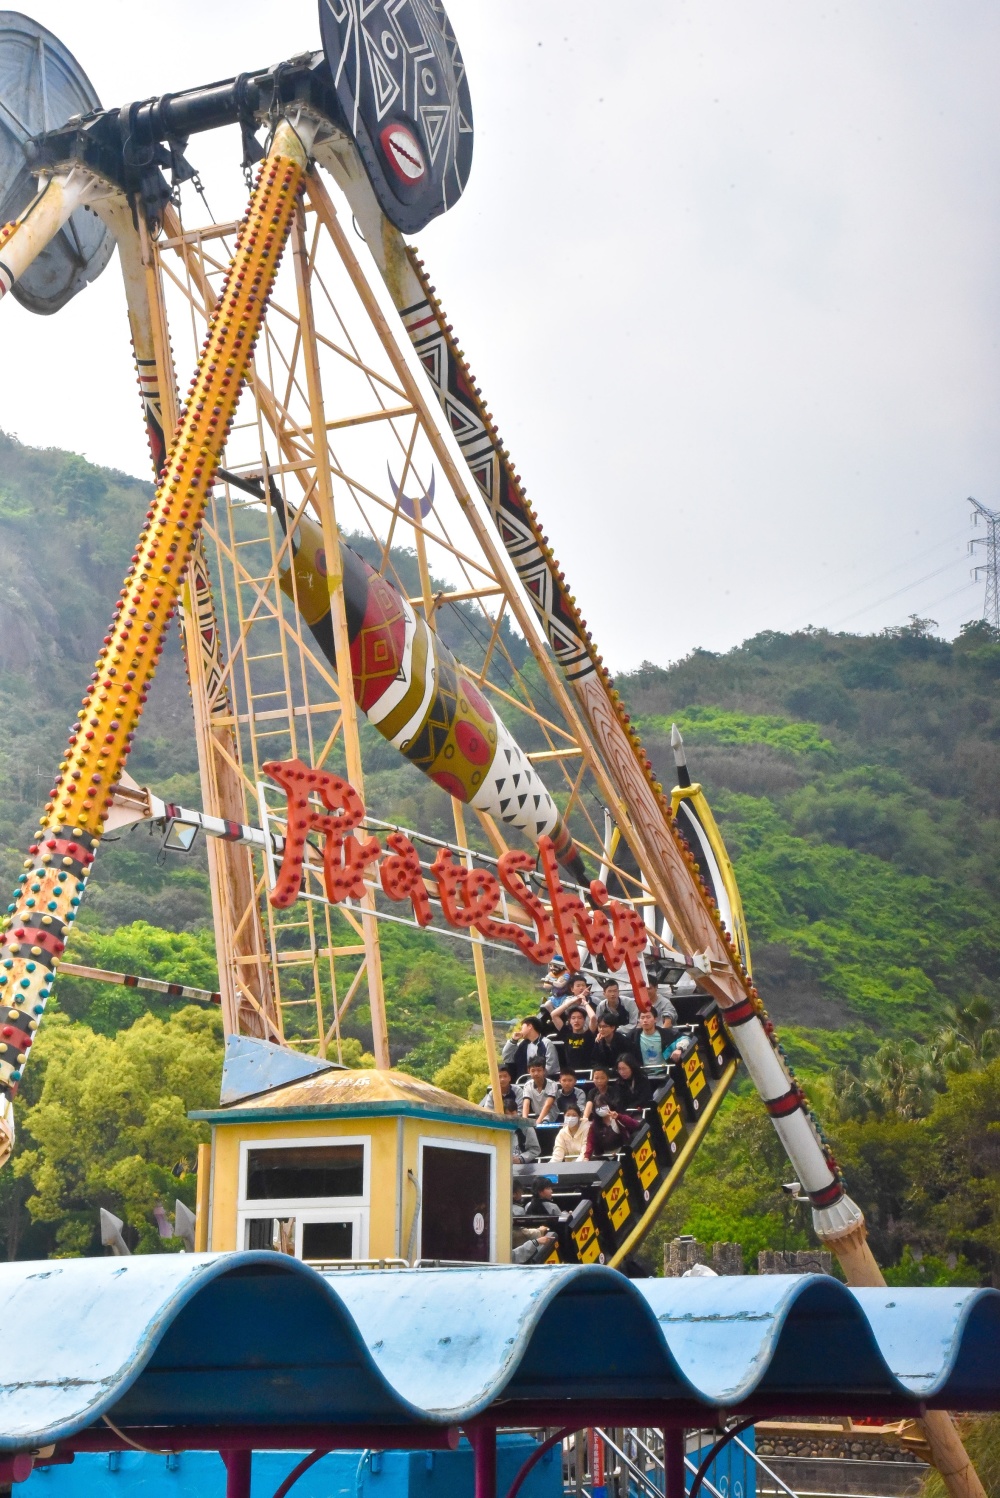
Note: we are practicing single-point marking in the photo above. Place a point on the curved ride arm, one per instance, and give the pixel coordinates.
(299, 1471)
(531, 1461)
(713, 1452)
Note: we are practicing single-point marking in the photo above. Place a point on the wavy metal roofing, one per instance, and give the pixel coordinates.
(255, 1338)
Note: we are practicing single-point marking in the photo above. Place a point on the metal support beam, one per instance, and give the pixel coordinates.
(324, 502)
(673, 1462)
(483, 1440)
(238, 1468)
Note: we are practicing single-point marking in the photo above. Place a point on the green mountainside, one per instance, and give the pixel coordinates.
(856, 779)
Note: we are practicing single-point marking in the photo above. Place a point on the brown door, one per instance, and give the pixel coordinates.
(455, 1205)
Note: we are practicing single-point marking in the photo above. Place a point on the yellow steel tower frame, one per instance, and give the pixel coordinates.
(334, 361)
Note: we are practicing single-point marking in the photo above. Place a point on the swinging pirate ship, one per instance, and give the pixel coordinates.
(330, 398)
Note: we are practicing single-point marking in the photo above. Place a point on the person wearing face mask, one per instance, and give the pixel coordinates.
(571, 1141)
(610, 1131)
(601, 1093)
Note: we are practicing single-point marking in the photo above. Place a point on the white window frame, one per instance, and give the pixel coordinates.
(353, 1209)
(430, 1141)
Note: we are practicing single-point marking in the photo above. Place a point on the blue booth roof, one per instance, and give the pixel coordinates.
(252, 1339)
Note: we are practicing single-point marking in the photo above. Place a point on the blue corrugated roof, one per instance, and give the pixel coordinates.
(258, 1338)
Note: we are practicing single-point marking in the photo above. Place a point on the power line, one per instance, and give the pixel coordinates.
(890, 596)
(881, 576)
(991, 604)
(953, 594)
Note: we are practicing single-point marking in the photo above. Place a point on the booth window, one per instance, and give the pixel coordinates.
(305, 1172)
(308, 1198)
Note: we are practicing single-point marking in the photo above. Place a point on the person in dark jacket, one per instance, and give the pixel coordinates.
(569, 1095)
(610, 1044)
(520, 1051)
(541, 1204)
(633, 1088)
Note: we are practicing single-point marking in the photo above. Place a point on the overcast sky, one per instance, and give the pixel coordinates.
(726, 271)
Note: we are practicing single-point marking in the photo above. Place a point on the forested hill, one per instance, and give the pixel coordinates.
(856, 779)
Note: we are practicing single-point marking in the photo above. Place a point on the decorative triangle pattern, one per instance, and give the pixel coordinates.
(506, 504)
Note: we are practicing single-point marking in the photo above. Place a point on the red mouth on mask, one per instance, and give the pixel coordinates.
(402, 150)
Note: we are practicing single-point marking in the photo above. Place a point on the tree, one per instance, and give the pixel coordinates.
(110, 1128)
(467, 1074)
(958, 1183)
(150, 952)
(900, 1080)
(974, 1029)
(880, 1158)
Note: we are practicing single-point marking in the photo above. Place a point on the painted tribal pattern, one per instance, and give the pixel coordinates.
(403, 92)
(198, 594)
(508, 505)
(420, 697)
(197, 589)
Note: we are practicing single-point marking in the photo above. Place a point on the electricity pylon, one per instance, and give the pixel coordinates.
(991, 604)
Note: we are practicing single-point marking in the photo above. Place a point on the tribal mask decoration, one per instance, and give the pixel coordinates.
(400, 83)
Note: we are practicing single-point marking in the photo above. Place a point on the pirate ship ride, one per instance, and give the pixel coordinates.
(330, 396)
(305, 398)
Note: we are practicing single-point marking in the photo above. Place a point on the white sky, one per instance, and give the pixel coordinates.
(726, 271)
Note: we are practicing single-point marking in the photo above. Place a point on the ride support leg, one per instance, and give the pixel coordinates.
(238, 1469)
(45, 904)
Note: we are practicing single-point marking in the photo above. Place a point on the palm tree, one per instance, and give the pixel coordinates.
(976, 1024)
(899, 1080)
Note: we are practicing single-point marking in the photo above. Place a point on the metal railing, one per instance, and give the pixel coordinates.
(633, 1462)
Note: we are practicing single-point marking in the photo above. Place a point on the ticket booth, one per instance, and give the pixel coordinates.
(334, 1166)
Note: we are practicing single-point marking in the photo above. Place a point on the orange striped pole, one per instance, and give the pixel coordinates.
(50, 890)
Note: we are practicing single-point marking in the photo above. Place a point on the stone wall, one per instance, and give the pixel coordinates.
(839, 1443)
(794, 1261)
(681, 1254)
